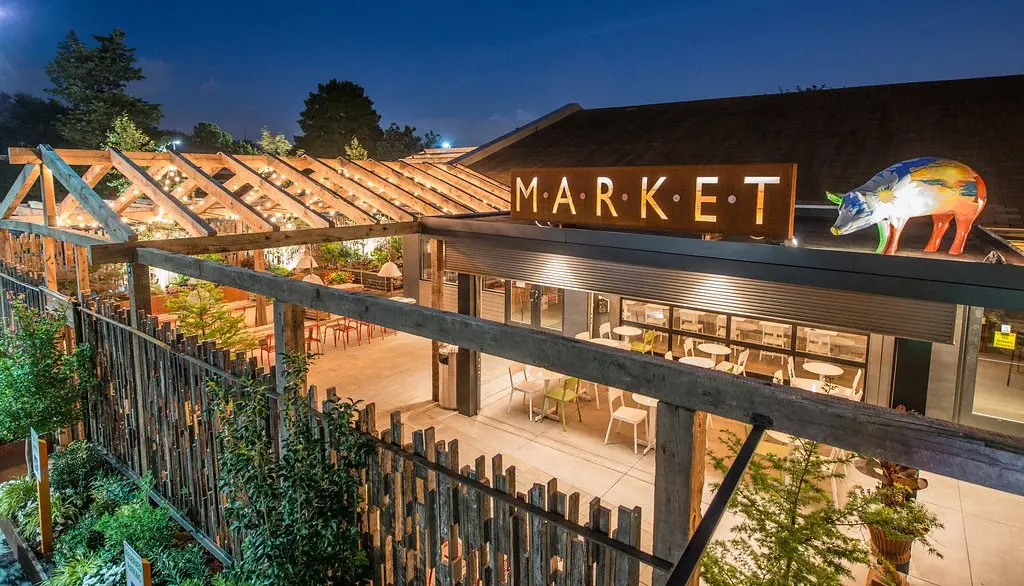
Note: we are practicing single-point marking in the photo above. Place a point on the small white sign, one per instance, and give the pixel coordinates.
(133, 567)
(35, 455)
(1005, 328)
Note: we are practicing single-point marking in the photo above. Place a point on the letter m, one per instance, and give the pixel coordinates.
(526, 192)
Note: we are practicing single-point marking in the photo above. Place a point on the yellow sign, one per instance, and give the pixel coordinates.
(1007, 340)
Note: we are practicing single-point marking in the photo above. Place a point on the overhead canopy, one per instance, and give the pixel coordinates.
(264, 193)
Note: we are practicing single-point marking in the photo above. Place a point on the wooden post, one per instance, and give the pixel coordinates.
(49, 220)
(43, 493)
(678, 482)
(289, 337)
(437, 302)
(259, 263)
(139, 292)
(82, 271)
(467, 380)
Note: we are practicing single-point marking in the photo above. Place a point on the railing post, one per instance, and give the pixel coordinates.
(50, 220)
(678, 482)
(437, 302)
(467, 375)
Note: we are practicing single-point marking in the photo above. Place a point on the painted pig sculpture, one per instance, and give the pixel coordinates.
(927, 186)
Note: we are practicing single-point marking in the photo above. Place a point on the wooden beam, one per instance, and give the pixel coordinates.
(110, 253)
(87, 198)
(62, 234)
(483, 200)
(941, 447)
(275, 193)
(436, 302)
(478, 176)
(50, 221)
(356, 190)
(317, 189)
(19, 189)
(84, 157)
(140, 294)
(82, 271)
(501, 194)
(436, 200)
(678, 481)
(246, 212)
(449, 191)
(259, 264)
(132, 194)
(91, 177)
(289, 337)
(176, 210)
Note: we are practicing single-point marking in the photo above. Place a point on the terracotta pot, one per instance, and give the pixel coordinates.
(896, 551)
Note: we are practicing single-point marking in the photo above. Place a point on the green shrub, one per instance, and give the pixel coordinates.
(64, 512)
(76, 466)
(279, 270)
(15, 494)
(179, 567)
(148, 529)
(82, 540)
(339, 277)
(72, 572)
(109, 492)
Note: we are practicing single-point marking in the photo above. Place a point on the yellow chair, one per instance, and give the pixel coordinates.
(647, 345)
(569, 392)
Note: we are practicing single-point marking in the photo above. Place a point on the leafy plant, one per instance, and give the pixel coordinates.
(148, 529)
(109, 492)
(178, 567)
(40, 382)
(64, 512)
(201, 313)
(890, 509)
(790, 532)
(296, 514)
(74, 571)
(15, 494)
(279, 270)
(339, 277)
(81, 540)
(76, 466)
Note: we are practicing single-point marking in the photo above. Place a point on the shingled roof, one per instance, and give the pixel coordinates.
(839, 138)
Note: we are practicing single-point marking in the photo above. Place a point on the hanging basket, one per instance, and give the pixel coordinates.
(896, 551)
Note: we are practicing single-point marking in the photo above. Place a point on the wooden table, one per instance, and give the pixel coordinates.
(715, 350)
(627, 331)
(823, 369)
(698, 361)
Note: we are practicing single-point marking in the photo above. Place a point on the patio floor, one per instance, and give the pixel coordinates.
(984, 529)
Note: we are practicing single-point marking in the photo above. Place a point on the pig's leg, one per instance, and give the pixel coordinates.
(896, 225)
(941, 224)
(963, 228)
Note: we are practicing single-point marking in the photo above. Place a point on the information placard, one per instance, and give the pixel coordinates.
(136, 569)
(36, 471)
(1006, 341)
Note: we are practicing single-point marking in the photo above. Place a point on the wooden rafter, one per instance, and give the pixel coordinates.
(328, 173)
(484, 195)
(275, 193)
(235, 205)
(480, 179)
(446, 192)
(317, 189)
(90, 201)
(27, 177)
(175, 209)
(63, 234)
(420, 195)
(92, 176)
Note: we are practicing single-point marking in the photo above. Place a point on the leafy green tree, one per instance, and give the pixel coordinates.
(334, 114)
(208, 137)
(296, 514)
(92, 82)
(40, 382)
(126, 136)
(354, 151)
(26, 120)
(790, 532)
(201, 313)
(397, 143)
(273, 144)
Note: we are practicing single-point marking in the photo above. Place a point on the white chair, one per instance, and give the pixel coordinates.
(689, 347)
(819, 342)
(720, 322)
(777, 377)
(792, 371)
(604, 330)
(525, 386)
(583, 336)
(773, 335)
(631, 415)
(856, 380)
(740, 366)
(668, 355)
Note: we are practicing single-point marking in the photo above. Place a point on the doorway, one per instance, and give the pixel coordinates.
(535, 306)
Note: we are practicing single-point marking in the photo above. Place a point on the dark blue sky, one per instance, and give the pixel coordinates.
(472, 70)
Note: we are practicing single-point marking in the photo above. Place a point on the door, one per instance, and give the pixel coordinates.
(536, 306)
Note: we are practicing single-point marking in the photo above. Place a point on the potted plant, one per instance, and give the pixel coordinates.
(895, 521)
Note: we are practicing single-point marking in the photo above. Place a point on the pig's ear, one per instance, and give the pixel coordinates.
(834, 197)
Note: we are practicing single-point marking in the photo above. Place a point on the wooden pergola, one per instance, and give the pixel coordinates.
(267, 200)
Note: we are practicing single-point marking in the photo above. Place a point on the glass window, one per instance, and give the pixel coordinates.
(642, 312)
(699, 322)
(552, 306)
(831, 343)
(520, 301)
(451, 277)
(999, 381)
(425, 266)
(493, 284)
(762, 332)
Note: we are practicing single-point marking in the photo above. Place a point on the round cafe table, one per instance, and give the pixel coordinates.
(698, 361)
(622, 344)
(823, 369)
(716, 350)
(651, 405)
(627, 331)
(550, 378)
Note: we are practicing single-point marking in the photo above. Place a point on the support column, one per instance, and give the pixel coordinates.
(49, 220)
(140, 295)
(437, 302)
(678, 482)
(289, 337)
(259, 263)
(82, 272)
(467, 374)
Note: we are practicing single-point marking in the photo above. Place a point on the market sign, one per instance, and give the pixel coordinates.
(745, 200)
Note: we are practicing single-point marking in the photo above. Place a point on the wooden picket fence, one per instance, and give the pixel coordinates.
(426, 518)
(26, 251)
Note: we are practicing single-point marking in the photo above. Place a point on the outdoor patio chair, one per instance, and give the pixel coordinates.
(777, 377)
(313, 337)
(267, 349)
(526, 387)
(645, 346)
(792, 370)
(342, 327)
(604, 330)
(631, 415)
(689, 347)
(569, 392)
(738, 368)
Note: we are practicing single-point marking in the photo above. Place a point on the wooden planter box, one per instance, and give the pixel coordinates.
(12, 460)
(896, 551)
(30, 565)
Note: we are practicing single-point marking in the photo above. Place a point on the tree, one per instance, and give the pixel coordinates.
(201, 313)
(28, 121)
(273, 144)
(92, 82)
(355, 151)
(296, 514)
(41, 384)
(208, 137)
(397, 143)
(126, 136)
(790, 532)
(335, 113)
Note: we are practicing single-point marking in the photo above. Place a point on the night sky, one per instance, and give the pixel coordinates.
(473, 70)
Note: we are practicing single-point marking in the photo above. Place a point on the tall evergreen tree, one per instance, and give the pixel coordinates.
(400, 142)
(26, 120)
(335, 113)
(92, 82)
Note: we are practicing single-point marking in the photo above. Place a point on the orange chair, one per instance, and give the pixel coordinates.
(267, 348)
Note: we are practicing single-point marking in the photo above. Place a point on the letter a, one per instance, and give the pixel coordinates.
(605, 196)
(647, 197)
(564, 196)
